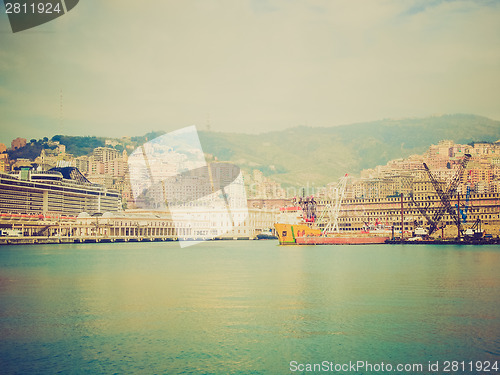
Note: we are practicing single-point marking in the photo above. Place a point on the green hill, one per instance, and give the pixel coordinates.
(321, 155)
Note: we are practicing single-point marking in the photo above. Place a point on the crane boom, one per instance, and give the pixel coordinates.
(445, 196)
(334, 210)
(422, 210)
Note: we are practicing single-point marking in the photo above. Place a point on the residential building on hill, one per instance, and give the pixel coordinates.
(442, 159)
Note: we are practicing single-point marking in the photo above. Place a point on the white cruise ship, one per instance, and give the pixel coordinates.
(59, 191)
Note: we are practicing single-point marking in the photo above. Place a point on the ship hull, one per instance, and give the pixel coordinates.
(341, 240)
(302, 234)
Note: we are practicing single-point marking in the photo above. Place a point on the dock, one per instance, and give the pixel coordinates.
(43, 240)
(480, 241)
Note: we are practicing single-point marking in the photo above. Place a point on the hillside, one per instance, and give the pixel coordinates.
(302, 155)
(321, 155)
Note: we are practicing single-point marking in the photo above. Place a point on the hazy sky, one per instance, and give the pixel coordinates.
(128, 67)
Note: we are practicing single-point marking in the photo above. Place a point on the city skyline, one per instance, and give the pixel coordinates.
(246, 67)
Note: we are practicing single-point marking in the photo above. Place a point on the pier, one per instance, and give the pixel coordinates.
(477, 241)
(40, 240)
(125, 227)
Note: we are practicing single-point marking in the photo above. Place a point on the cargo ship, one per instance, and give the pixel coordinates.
(299, 224)
(304, 234)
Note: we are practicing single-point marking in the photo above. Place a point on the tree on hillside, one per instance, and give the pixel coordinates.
(31, 151)
(79, 146)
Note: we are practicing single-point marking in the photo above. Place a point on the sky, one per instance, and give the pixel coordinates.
(124, 68)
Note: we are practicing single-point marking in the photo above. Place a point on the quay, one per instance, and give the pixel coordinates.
(131, 226)
(41, 240)
(478, 241)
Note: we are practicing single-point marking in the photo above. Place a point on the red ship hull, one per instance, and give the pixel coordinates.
(340, 240)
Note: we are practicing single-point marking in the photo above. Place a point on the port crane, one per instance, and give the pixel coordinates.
(463, 213)
(446, 195)
(333, 209)
(422, 209)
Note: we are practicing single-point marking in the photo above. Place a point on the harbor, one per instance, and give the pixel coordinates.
(251, 187)
(357, 219)
(420, 205)
(424, 215)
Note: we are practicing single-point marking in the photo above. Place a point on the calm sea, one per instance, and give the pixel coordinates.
(245, 307)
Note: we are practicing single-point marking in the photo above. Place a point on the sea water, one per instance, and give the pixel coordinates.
(246, 307)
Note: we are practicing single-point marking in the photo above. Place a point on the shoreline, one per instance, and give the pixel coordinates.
(44, 240)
